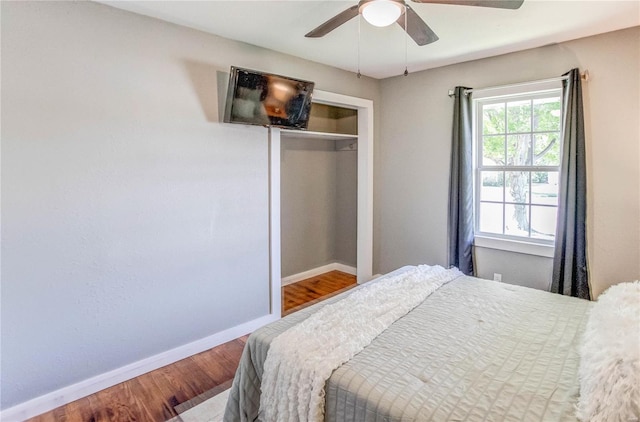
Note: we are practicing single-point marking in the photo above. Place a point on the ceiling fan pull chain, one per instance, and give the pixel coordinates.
(359, 19)
(406, 36)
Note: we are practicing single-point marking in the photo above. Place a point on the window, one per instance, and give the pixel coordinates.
(517, 161)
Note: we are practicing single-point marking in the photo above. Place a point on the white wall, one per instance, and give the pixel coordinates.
(414, 153)
(133, 221)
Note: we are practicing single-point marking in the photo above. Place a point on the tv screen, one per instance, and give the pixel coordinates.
(258, 98)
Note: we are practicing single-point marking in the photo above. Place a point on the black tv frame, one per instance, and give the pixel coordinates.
(264, 95)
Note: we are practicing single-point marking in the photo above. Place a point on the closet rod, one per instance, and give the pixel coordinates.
(584, 76)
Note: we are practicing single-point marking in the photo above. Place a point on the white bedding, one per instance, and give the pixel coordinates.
(301, 359)
(474, 350)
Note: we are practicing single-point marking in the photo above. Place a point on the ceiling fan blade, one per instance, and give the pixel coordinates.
(417, 28)
(500, 4)
(334, 22)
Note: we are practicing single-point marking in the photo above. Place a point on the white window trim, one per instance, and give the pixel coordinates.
(510, 245)
(533, 87)
(486, 240)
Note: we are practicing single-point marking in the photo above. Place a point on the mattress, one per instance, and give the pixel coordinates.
(474, 350)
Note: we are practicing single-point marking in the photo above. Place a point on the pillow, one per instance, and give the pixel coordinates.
(609, 368)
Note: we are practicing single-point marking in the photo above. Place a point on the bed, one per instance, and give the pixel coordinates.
(474, 350)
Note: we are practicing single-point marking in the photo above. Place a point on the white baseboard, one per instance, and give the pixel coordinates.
(92, 385)
(317, 271)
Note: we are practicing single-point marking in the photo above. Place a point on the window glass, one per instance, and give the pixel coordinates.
(493, 119)
(493, 150)
(543, 222)
(518, 137)
(491, 217)
(517, 190)
(516, 220)
(519, 149)
(544, 187)
(492, 186)
(519, 116)
(546, 150)
(546, 113)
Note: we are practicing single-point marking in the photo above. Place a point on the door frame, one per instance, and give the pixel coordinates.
(364, 271)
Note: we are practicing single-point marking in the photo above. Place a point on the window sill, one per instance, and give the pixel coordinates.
(514, 246)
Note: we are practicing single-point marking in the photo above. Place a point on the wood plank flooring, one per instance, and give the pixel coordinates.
(152, 397)
(307, 292)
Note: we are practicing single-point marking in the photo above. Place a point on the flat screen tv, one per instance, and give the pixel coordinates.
(265, 99)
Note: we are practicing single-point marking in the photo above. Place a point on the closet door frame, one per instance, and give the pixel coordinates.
(364, 271)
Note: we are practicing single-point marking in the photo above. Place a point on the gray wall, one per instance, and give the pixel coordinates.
(133, 222)
(318, 204)
(516, 268)
(412, 163)
(346, 207)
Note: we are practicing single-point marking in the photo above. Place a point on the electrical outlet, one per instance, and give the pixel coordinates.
(497, 276)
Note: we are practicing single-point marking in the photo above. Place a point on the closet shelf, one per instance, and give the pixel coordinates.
(286, 133)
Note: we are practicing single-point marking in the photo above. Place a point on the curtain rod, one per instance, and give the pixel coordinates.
(584, 76)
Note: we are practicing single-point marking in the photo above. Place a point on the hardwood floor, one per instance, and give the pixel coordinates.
(153, 396)
(307, 292)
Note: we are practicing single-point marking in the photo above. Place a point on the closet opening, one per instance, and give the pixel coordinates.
(319, 196)
(315, 176)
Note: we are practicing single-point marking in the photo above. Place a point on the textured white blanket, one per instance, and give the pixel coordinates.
(301, 359)
(610, 357)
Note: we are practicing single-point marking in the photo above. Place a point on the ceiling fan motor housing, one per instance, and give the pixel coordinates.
(381, 12)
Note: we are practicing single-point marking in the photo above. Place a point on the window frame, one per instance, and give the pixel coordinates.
(520, 244)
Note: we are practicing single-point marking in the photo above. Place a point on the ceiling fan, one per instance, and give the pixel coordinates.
(386, 12)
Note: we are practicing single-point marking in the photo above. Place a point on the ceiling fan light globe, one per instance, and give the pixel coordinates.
(381, 12)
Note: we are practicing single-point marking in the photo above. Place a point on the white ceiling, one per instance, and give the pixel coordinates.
(466, 33)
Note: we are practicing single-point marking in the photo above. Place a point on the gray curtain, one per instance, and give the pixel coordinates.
(460, 231)
(570, 276)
